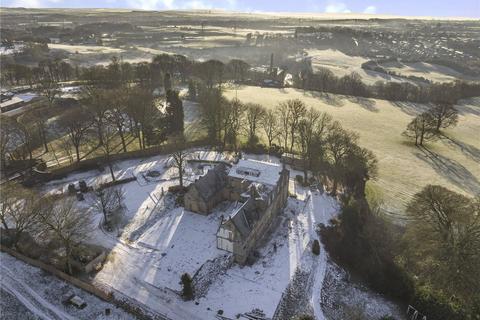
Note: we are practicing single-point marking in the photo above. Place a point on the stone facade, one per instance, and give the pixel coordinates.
(203, 195)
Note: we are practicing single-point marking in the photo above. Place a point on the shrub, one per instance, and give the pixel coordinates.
(316, 247)
(177, 189)
(299, 179)
(436, 305)
(304, 317)
(187, 288)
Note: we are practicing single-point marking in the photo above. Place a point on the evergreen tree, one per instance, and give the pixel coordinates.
(174, 112)
(187, 291)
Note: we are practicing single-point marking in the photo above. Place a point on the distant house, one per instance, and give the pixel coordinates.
(260, 190)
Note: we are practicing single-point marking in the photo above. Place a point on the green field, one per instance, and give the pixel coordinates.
(404, 169)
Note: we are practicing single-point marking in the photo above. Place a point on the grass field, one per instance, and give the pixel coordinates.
(452, 161)
(432, 72)
(341, 64)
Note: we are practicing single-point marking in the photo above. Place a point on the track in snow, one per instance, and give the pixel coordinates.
(30, 299)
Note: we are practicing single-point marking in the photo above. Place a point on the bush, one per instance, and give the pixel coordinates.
(387, 317)
(316, 247)
(177, 189)
(187, 288)
(363, 242)
(304, 317)
(299, 179)
(435, 305)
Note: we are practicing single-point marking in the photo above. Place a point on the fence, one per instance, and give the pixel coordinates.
(104, 295)
(93, 163)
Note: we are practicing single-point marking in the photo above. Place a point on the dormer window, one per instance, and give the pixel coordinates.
(248, 172)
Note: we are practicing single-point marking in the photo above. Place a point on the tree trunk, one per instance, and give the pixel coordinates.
(67, 258)
(77, 152)
(139, 136)
(180, 174)
(305, 171)
(439, 123)
(44, 139)
(105, 215)
(120, 132)
(111, 170)
(5, 224)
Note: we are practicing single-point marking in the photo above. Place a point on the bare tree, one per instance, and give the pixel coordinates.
(421, 128)
(270, 125)
(117, 115)
(109, 201)
(21, 210)
(444, 235)
(66, 145)
(234, 112)
(37, 118)
(77, 122)
(339, 143)
(444, 115)
(107, 147)
(254, 114)
(7, 138)
(64, 223)
(283, 115)
(26, 139)
(11, 196)
(141, 110)
(297, 110)
(180, 156)
(97, 102)
(311, 128)
(50, 89)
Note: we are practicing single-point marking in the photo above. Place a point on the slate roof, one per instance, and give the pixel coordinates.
(245, 217)
(213, 182)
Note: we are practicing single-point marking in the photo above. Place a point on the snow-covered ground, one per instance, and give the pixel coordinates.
(160, 241)
(341, 296)
(30, 293)
(261, 285)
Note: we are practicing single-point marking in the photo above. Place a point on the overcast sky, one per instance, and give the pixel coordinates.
(437, 8)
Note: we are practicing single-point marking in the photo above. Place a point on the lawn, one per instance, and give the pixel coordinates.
(403, 169)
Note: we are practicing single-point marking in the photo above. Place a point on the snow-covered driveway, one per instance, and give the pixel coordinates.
(322, 209)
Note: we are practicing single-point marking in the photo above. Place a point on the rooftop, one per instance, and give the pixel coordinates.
(256, 171)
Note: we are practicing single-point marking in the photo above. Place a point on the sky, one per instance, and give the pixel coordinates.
(436, 8)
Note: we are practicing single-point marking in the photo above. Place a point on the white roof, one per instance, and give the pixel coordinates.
(9, 102)
(256, 171)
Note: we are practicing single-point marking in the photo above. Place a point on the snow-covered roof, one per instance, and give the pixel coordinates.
(256, 171)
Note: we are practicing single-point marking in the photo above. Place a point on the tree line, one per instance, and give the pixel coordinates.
(101, 119)
(324, 147)
(324, 80)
